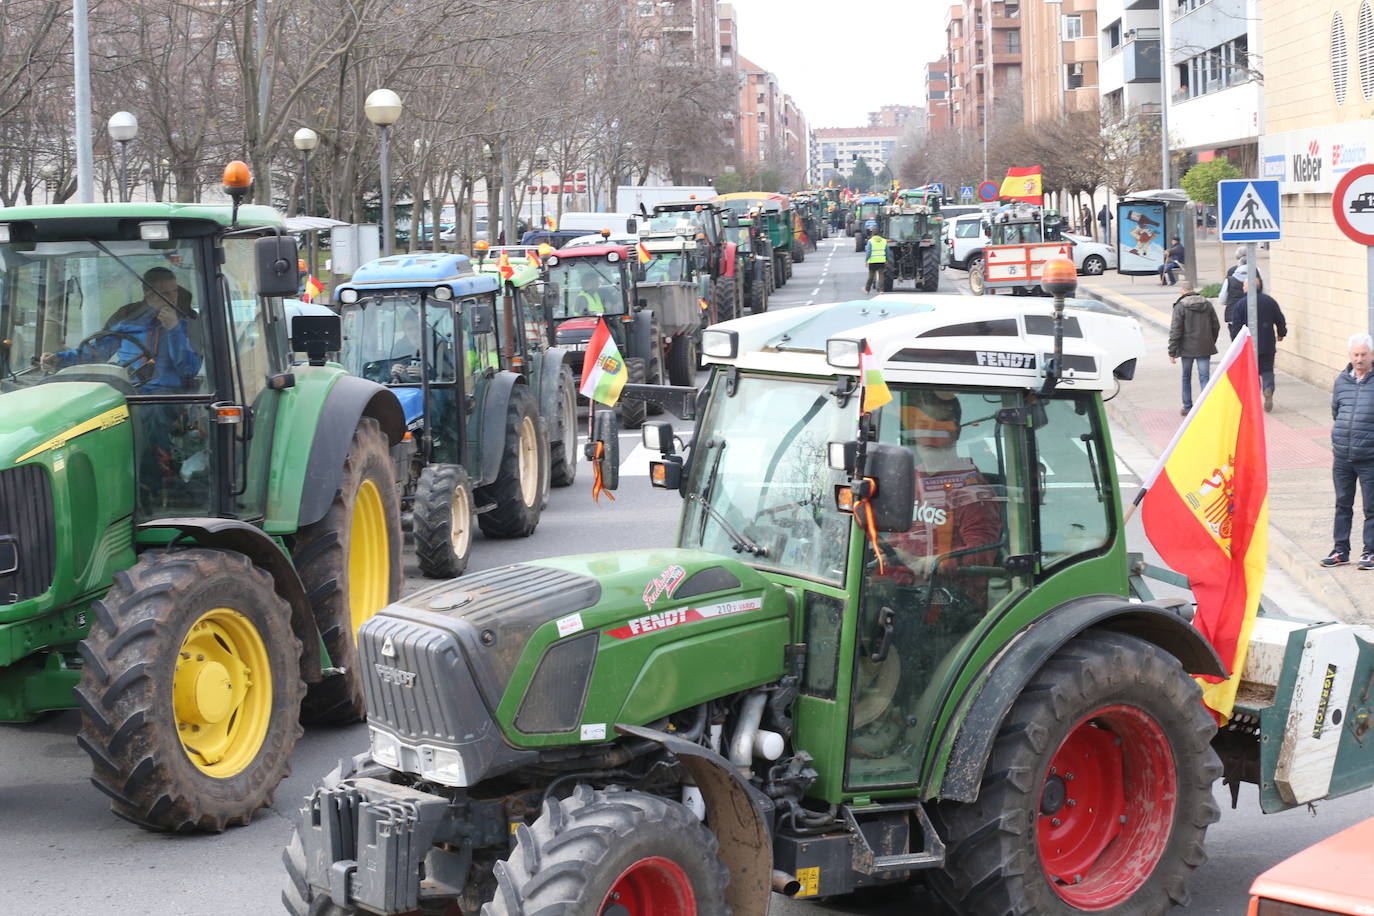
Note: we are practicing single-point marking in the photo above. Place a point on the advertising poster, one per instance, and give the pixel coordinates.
(1140, 238)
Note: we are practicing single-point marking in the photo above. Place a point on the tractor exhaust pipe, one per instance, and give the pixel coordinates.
(742, 741)
(785, 884)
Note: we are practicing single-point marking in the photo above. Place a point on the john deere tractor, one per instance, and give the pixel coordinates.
(192, 528)
(913, 235)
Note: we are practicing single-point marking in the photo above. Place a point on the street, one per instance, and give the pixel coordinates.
(54, 825)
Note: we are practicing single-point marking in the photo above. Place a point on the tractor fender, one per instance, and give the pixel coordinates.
(644, 339)
(349, 400)
(266, 554)
(551, 363)
(735, 813)
(495, 401)
(984, 709)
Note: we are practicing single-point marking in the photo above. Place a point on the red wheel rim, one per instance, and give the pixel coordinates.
(1107, 805)
(653, 886)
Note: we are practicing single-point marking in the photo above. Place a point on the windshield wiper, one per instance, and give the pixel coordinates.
(742, 543)
(133, 273)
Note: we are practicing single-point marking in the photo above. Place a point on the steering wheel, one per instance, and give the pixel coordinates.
(148, 357)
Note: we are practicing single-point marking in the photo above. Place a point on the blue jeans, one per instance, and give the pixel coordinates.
(1168, 267)
(1345, 474)
(1266, 374)
(1204, 372)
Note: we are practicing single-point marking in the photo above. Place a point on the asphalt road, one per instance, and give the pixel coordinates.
(62, 851)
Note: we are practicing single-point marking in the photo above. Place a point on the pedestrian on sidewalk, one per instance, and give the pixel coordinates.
(1233, 289)
(1270, 328)
(1085, 220)
(1352, 451)
(1104, 216)
(1173, 260)
(877, 252)
(1193, 334)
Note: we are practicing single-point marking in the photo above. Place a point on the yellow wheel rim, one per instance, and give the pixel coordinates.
(369, 556)
(528, 456)
(459, 526)
(222, 692)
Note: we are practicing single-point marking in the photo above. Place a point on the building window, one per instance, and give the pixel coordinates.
(645, 7)
(1340, 66)
(1073, 27)
(1113, 33)
(1073, 76)
(1365, 43)
(1013, 41)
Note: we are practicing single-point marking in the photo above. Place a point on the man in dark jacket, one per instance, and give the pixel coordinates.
(1352, 451)
(1270, 327)
(1193, 336)
(1233, 288)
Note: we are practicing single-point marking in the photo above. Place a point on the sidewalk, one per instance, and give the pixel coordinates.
(1298, 435)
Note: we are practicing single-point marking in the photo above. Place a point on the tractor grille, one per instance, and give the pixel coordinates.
(28, 552)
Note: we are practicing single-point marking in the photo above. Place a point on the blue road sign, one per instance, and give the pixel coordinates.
(1249, 210)
(937, 188)
(966, 192)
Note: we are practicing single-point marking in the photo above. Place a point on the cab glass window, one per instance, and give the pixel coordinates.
(1075, 512)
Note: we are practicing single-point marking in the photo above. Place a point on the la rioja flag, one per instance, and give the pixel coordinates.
(603, 371)
(1206, 510)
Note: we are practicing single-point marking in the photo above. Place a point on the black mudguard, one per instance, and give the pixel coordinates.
(350, 400)
(241, 537)
(735, 812)
(644, 341)
(550, 369)
(495, 401)
(985, 708)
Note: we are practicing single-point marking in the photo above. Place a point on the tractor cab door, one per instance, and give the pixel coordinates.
(935, 584)
(479, 345)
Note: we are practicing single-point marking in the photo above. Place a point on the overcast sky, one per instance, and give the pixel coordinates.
(841, 60)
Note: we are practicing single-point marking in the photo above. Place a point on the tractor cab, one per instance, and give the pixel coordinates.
(1022, 237)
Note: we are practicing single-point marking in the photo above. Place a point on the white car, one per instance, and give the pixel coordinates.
(1091, 258)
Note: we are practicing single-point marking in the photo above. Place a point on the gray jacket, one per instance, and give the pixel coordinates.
(1194, 329)
(1352, 409)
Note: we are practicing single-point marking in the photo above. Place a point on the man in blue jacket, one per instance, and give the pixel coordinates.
(1352, 447)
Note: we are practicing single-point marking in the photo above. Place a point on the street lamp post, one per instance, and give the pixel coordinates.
(306, 140)
(123, 127)
(383, 108)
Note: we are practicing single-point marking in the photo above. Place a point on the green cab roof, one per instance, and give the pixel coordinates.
(222, 214)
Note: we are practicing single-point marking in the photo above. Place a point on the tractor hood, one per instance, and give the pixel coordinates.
(499, 663)
(35, 420)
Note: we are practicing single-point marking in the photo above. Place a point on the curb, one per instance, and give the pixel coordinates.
(1127, 303)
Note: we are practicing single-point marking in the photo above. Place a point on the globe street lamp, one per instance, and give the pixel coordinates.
(123, 127)
(382, 108)
(306, 140)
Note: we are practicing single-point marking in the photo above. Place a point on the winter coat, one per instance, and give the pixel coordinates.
(1268, 319)
(1352, 410)
(1194, 329)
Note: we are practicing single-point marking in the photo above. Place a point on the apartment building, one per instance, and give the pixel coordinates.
(1128, 44)
(686, 31)
(849, 145)
(1215, 89)
(984, 70)
(937, 95)
(1058, 44)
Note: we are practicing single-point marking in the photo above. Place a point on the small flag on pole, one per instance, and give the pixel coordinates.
(1023, 184)
(705, 306)
(644, 256)
(532, 257)
(312, 289)
(603, 371)
(504, 267)
(876, 392)
(548, 223)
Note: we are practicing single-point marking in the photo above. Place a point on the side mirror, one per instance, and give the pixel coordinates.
(316, 336)
(606, 440)
(893, 470)
(277, 266)
(482, 318)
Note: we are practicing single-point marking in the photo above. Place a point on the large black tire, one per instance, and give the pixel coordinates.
(779, 270)
(632, 411)
(682, 360)
(769, 277)
(582, 849)
(725, 299)
(930, 270)
(191, 657)
(787, 264)
(441, 521)
(518, 491)
(758, 297)
(859, 241)
(799, 252)
(563, 434)
(1123, 716)
(298, 896)
(346, 587)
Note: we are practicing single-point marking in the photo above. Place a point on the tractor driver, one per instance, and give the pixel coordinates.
(406, 366)
(956, 509)
(592, 298)
(157, 339)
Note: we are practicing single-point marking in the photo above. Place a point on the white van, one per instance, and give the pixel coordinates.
(618, 223)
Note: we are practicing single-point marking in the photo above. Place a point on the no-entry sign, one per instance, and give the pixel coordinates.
(1352, 204)
(987, 191)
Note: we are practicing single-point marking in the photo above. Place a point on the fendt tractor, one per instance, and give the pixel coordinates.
(191, 528)
(895, 647)
(774, 213)
(654, 322)
(482, 418)
(913, 230)
(1021, 238)
(702, 222)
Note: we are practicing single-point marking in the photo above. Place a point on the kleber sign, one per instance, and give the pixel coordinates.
(1312, 160)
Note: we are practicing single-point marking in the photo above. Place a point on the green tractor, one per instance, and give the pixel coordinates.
(895, 647)
(192, 528)
(913, 233)
(774, 213)
(755, 260)
(476, 401)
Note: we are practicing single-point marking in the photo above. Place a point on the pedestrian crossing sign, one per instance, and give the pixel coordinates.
(1249, 210)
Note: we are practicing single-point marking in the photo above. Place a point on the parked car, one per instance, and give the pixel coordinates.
(1332, 876)
(1091, 258)
(964, 239)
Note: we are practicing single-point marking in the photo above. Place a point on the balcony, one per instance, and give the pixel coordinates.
(1142, 4)
(1140, 57)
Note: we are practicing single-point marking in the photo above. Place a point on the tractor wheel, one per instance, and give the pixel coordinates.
(441, 521)
(787, 264)
(654, 377)
(1097, 794)
(1094, 265)
(975, 276)
(930, 270)
(758, 298)
(350, 564)
(518, 490)
(612, 852)
(632, 410)
(191, 690)
(887, 280)
(769, 276)
(725, 300)
(799, 253)
(299, 896)
(563, 438)
(859, 241)
(682, 360)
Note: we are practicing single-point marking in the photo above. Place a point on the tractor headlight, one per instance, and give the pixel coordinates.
(551, 261)
(720, 343)
(443, 765)
(154, 232)
(443, 293)
(842, 354)
(4, 233)
(348, 296)
(386, 748)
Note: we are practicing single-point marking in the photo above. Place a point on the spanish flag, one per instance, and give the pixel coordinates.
(312, 289)
(504, 268)
(1023, 184)
(644, 256)
(876, 392)
(533, 259)
(1206, 510)
(603, 371)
